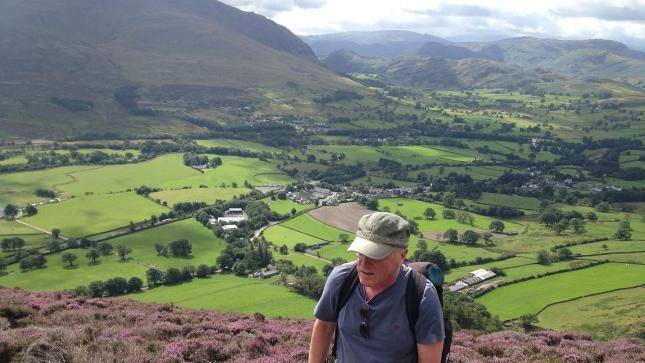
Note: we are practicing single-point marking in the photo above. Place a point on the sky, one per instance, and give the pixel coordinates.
(622, 20)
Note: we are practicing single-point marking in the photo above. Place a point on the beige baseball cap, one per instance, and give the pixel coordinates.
(379, 233)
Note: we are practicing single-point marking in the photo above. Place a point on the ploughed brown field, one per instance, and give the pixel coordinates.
(344, 216)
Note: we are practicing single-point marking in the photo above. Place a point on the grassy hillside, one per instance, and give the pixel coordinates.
(63, 62)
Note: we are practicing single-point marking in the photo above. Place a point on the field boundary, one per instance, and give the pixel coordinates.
(582, 297)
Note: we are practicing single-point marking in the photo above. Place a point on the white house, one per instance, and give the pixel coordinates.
(482, 274)
(228, 227)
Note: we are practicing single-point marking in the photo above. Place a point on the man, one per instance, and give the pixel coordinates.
(373, 325)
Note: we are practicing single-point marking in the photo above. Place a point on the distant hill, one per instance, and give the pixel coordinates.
(384, 43)
(436, 72)
(573, 58)
(72, 67)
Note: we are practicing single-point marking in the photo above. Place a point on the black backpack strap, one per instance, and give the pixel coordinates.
(346, 289)
(413, 295)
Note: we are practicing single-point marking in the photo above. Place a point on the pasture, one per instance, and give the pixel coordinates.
(206, 195)
(529, 297)
(238, 144)
(300, 259)
(58, 276)
(285, 206)
(515, 201)
(227, 292)
(605, 316)
(414, 209)
(82, 216)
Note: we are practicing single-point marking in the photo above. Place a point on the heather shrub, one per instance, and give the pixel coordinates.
(13, 313)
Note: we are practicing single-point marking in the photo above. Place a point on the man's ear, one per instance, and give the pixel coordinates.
(404, 253)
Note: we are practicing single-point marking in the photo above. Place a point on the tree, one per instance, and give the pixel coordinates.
(30, 210)
(470, 237)
(561, 226)
(116, 286)
(343, 237)
(527, 321)
(451, 235)
(68, 257)
(372, 204)
(187, 273)
(105, 248)
(300, 247)
(448, 214)
(293, 211)
(123, 251)
(284, 249)
(543, 257)
(624, 232)
(11, 211)
(56, 233)
(488, 237)
(134, 284)
(578, 225)
(224, 261)
(434, 256)
(429, 213)
(592, 217)
(180, 248)
(92, 255)
(202, 271)
(564, 254)
(422, 245)
(153, 276)
(54, 246)
(497, 226)
(172, 276)
(327, 268)
(161, 249)
(240, 268)
(96, 288)
(465, 218)
(602, 207)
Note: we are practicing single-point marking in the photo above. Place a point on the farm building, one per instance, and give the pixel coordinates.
(228, 227)
(458, 286)
(482, 274)
(268, 272)
(232, 215)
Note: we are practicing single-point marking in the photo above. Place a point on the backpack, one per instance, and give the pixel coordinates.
(421, 272)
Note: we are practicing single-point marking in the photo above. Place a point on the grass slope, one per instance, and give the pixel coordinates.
(92, 214)
(206, 195)
(232, 293)
(530, 296)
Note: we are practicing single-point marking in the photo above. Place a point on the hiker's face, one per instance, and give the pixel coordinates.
(379, 273)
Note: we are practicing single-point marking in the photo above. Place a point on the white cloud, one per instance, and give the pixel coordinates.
(615, 19)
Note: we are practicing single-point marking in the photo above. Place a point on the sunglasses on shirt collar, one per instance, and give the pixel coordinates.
(364, 327)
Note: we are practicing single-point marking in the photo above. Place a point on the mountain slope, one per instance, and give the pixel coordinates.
(573, 58)
(202, 50)
(436, 72)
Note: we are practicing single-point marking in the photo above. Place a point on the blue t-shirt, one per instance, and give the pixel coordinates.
(390, 338)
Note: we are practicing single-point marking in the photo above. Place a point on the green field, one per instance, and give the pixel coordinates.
(285, 206)
(31, 241)
(300, 259)
(18, 188)
(238, 144)
(612, 247)
(81, 216)
(307, 224)
(337, 249)
(461, 272)
(168, 171)
(535, 269)
(506, 200)
(279, 236)
(57, 276)
(530, 296)
(464, 253)
(206, 195)
(606, 316)
(232, 293)
(414, 209)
